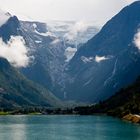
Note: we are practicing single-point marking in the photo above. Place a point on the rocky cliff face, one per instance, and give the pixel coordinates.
(17, 91)
(89, 72)
(52, 52)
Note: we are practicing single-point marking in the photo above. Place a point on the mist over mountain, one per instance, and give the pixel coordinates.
(72, 32)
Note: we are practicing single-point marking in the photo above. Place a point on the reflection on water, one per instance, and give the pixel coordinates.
(13, 128)
(18, 132)
(66, 128)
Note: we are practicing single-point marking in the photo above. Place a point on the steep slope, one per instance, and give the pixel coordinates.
(51, 54)
(48, 51)
(124, 102)
(11, 27)
(43, 69)
(17, 91)
(108, 61)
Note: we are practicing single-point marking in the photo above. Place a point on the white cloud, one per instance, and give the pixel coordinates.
(99, 10)
(137, 39)
(15, 51)
(74, 30)
(98, 59)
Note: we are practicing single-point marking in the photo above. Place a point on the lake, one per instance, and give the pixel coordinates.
(66, 128)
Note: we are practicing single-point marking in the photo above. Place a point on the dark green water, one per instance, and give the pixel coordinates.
(66, 128)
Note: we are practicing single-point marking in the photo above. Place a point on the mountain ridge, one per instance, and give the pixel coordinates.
(117, 55)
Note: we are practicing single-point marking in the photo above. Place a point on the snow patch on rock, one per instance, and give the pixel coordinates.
(98, 59)
(69, 53)
(137, 39)
(4, 17)
(87, 59)
(38, 41)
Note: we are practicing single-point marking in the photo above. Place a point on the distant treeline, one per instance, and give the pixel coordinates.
(126, 101)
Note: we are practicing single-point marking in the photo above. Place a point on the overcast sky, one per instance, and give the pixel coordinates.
(42, 10)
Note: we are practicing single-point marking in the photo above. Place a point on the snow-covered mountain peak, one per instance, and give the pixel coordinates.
(73, 32)
(4, 16)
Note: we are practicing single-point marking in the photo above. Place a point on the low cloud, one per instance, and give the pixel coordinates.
(79, 27)
(137, 39)
(98, 59)
(15, 51)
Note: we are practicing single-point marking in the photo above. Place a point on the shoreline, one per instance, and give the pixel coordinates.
(134, 118)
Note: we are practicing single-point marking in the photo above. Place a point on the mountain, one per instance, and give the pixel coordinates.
(51, 51)
(48, 52)
(107, 62)
(71, 70)
(72, 32)
(49, 47)
(17, 91)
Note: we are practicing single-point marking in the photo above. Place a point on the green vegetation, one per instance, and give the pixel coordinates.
(17, 91)
(19, 95)
(4, 113)
(124, 102)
